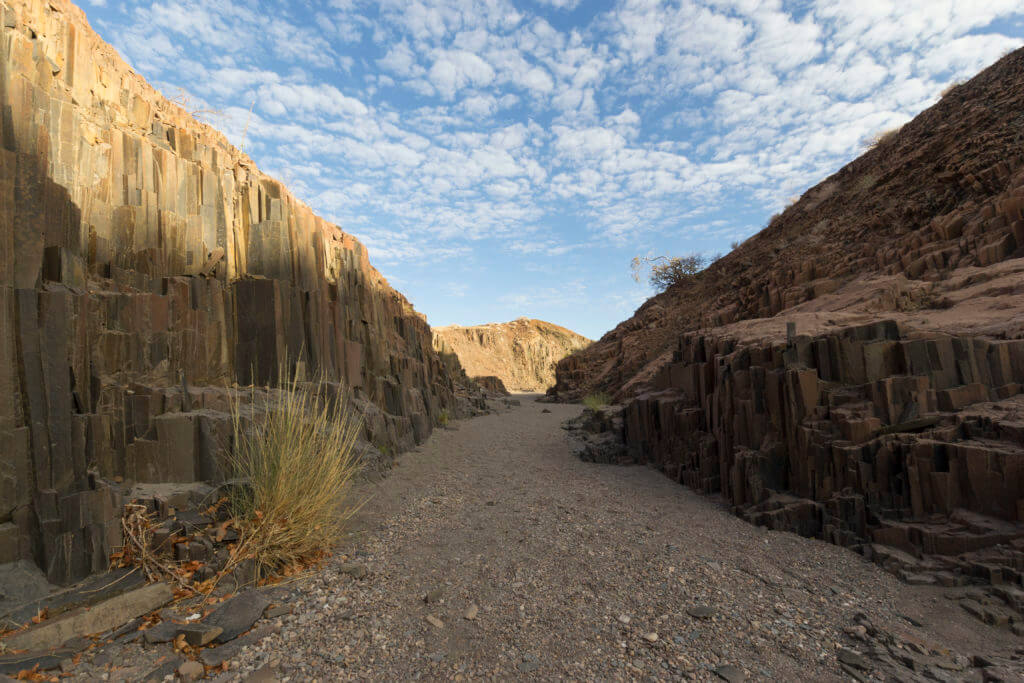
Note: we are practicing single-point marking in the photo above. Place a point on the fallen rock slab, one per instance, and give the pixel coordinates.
(96, 619)
(165, 669)
(163, 632)
(198, 635)
(728, 672)
(89, 592)
(237, 615)
(215, 656)
(13, 664)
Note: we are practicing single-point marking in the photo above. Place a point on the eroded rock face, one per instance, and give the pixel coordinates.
(521, 354)
(854, 371)
(916, 230)
(146, 266)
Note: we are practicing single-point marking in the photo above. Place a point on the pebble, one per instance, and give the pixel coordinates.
(191, 670)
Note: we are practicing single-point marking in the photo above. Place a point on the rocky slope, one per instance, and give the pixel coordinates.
(521, 353)
(146, 266)
(854, 371)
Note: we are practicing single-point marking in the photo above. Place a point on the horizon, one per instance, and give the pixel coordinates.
(503, 160)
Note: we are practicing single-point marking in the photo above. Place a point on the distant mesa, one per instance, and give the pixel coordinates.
(491, 383)
(519, 355)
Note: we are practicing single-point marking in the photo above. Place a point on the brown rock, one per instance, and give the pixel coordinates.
(146, 267)
(517, 356)
(844, 374)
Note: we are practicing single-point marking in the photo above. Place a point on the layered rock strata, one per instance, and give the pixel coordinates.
(146, 266)
(520, 354)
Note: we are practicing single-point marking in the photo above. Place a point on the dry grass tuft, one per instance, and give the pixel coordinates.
(299, 459)
(884, 138)
(598, 400)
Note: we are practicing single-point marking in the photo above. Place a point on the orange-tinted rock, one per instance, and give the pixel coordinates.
(521, 354)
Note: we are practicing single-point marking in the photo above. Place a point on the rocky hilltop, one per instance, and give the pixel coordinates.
(146, 266)
(854, 371)
(521, 353)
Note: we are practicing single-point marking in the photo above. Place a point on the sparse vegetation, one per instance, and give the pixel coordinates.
(298, 459)
(666, 271)
(883, 138)
(596, 401)
(443, 418)
(184, 100)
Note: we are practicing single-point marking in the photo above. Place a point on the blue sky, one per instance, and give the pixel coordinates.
(504, 158)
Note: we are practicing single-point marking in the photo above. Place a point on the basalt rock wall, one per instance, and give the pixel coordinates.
(146, 266)
(866, 432)
(943, 195)
(855, 370)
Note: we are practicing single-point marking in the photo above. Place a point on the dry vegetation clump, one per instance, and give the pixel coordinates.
(140, 551)
(298, 459)
(883, 138)
(596, 401)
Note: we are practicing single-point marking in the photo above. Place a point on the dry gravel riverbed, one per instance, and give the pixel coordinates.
(491, 553)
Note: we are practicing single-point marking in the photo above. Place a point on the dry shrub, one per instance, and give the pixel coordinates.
(140, 551)
(883, 138)
(299, 459)
(598, 400)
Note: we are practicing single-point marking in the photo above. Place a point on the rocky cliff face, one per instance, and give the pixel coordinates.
(145, 267)
(521, 354)
(854, 371)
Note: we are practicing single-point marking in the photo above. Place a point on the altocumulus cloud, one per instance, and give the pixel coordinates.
(490, 134)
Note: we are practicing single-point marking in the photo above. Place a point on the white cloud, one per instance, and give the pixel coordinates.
(401, 60)
(560, 4)
(459, 121)
(278, 99)
(455, 69)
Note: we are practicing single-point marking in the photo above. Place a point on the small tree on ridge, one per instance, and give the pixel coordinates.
(666, 271)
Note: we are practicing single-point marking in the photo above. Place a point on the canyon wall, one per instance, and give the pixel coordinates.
(854, 371)
(146, 267)
(521, 354)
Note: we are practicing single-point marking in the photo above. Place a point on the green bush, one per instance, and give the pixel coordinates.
(598, 400)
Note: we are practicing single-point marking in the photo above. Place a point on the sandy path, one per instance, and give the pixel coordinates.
(579, 571)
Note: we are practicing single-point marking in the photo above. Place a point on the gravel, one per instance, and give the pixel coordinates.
(537, 565)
